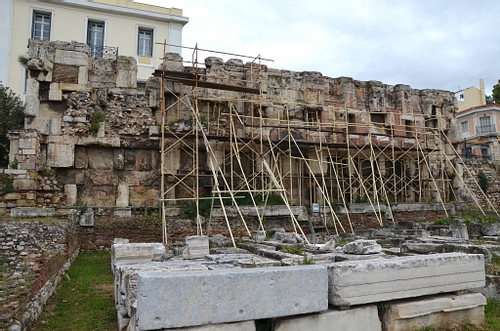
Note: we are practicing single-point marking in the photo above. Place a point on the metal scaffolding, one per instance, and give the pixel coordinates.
(222, 147)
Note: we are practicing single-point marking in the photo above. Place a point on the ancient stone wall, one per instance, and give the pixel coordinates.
(91, 137)
(86, 131)
(348, 117)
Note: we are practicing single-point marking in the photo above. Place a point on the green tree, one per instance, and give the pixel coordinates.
(496, 92)
(11, 118)
(489, 100)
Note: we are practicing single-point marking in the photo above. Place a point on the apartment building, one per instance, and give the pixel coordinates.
(479, 124)
(479, 129)
(109, 27)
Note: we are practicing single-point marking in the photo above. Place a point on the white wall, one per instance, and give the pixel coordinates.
(5, 33)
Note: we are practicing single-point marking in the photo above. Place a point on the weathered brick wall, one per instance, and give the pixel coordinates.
(33, 256)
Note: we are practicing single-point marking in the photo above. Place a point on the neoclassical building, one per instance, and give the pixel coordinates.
(480, 131)
(109, 27)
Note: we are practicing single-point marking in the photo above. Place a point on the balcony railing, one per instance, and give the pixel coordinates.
(104, 52)
(485, 129)
(470, 156)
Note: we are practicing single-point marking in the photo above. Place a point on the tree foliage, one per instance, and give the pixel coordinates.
(11, 118)
(496, 92)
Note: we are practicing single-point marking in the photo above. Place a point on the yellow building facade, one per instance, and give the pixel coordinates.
(471, 97)
(109, 27)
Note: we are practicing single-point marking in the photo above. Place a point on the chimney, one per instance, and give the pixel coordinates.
(481, 87)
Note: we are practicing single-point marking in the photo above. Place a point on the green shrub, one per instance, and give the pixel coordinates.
(442, 221)
(6, 184)
(293, 250)
(483, 181)
(96, 119)
(82, 209)
(14, 164)
(188, 209)
(11, 118)
(306, 261)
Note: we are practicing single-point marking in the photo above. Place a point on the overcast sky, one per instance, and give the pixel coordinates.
(438, 44)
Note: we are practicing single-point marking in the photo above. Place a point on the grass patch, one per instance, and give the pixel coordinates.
(293, 250)
(476, 216)
(492, 315)
(84, 301)
(495, 264)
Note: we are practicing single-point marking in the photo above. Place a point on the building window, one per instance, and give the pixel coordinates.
(145, 42)
(377, 118)
(409, 128)
(41, 25)
(141, 85)
(485, 125)
(95, 38)
(464, 126)
(484, 121)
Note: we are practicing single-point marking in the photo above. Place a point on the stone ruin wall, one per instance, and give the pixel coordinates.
(342, 105)
(62, 160)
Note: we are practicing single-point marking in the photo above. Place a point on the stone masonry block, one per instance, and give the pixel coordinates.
(239, 326)
(28, 143)
(361, 282)
(87, 218)
(123, 195)
(32, 212)
(357, 319)
(18, 172)
(126, 75)
(196, 247)
(122, 212)
(74, 87)
(55, 93)
(448, 311)
(24, 185)
(60, 155)
(12, 196)
(41, 124)
(83, 75)
(71, 58)
(55, 126)
(135, 253)
(223, 296)
(25, 203)
(126, 278)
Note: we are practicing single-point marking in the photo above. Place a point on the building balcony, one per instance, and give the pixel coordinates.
(104, 52)
(486, 130)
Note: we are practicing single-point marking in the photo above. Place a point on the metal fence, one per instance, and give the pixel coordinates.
(104, 52)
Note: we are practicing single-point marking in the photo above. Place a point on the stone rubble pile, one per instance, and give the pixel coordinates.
(356, 286)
